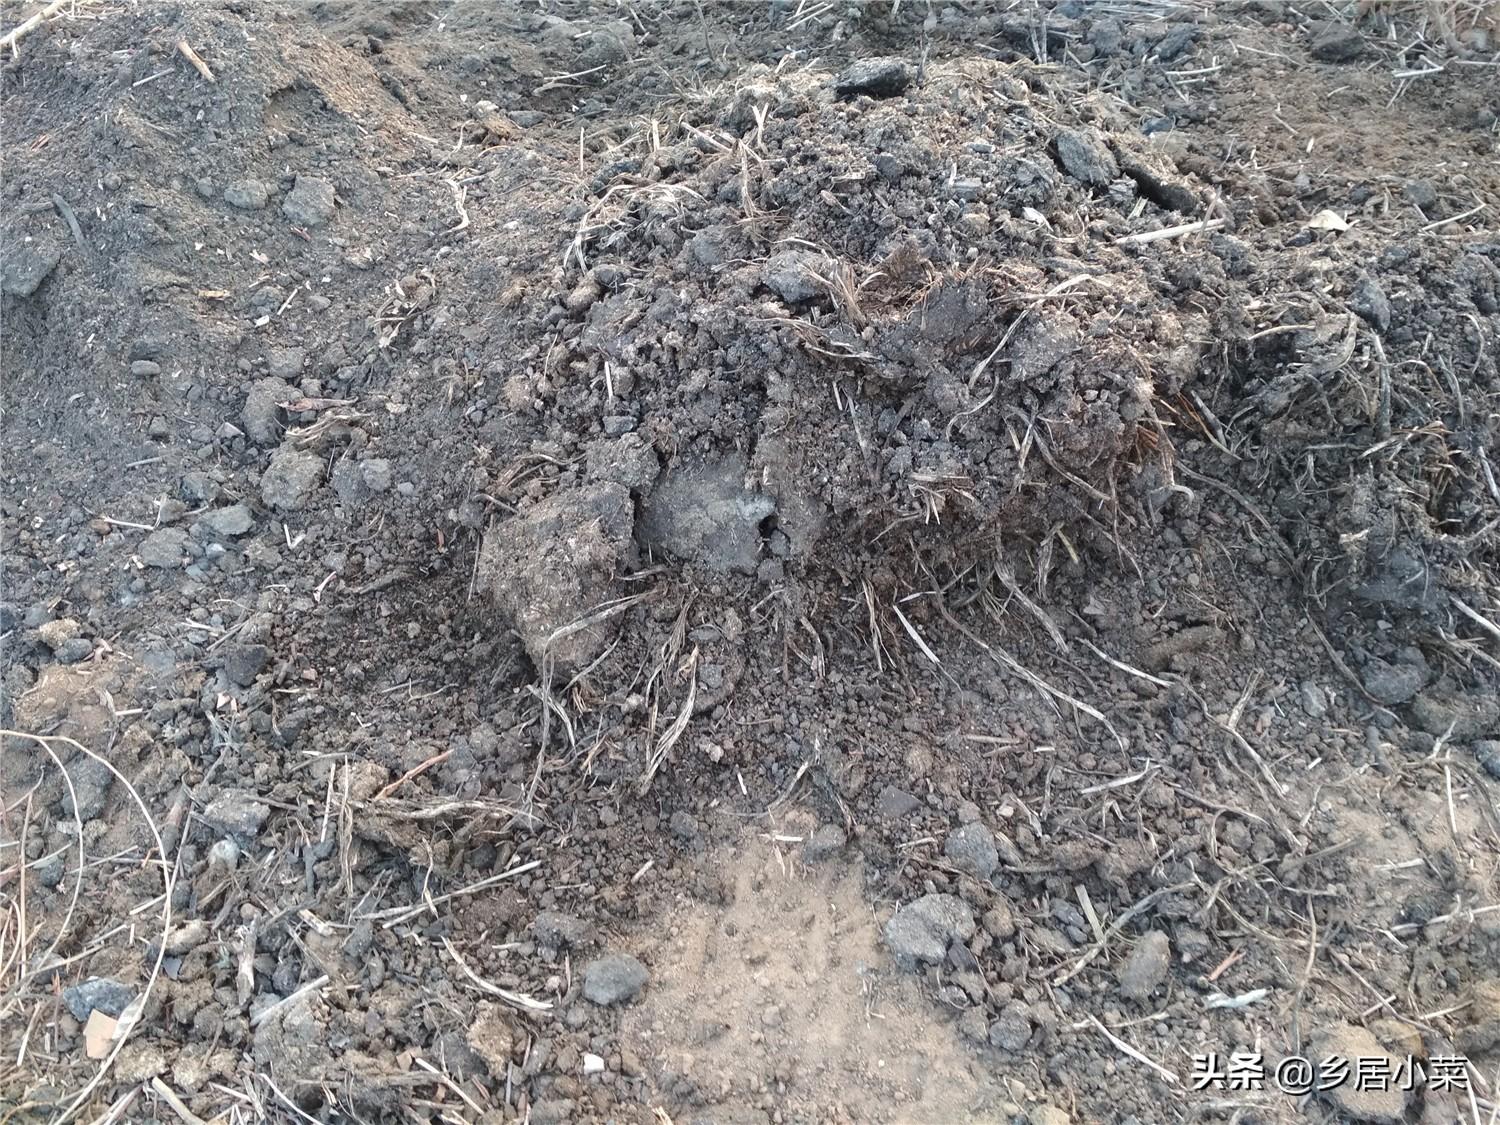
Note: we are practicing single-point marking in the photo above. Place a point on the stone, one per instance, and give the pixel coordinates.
(1422, 194)
(796, 275)
(1369, 302)
(166, 548)
(1086, 158)
(286, 363)
(1391, 684)
(1047, 1115)
(1345, 1044)
(919, 932)
(972, 849)
(615, 978)
(26, 266)
(236, 812)
(230, 522)
(376, 474)
(1488, 753)
(57, 632)
(825, 843)
(309, 203)
(876, 78)
(74, 650)
(92, 782)
(1461, 716)
(1314, 700)
(1011, 1030)
(243, 663)
(999, 920)
(97, 994)
(557, 930)
(261, 417)
(703, 511)
(1146, 967)
(893, 803)
(145, 368)
(247, 195)
(683, 825)
(291, 479)
(592, 1063)
(1337, 42)
(551, 566)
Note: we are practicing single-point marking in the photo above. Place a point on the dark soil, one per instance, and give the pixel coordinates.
(685, 562)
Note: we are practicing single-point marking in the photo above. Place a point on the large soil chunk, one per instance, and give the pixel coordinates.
(551, 569)
(701, 511)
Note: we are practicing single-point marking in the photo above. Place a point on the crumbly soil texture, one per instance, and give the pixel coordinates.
(768, 562)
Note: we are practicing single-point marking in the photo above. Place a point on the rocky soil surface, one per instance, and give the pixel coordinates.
(747, 563)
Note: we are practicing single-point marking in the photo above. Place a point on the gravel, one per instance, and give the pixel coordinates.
(876, 78)
(919, 932)
(972, 848)
(166, 548)
(1147, 966)
(615, 978)
(99, 994)
(309, 203)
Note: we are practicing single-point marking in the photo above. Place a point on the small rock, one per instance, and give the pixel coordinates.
(999, 920)
(795, 275)
(825, 843)
(376, 474)
(1147, 966)
(309, 203)
(73, 650)
(25, 268)
(261, 417)
(1344, 1044)
(1391, 684)
(54, 634)
(291, 479)
(230, 522)
(893, 803)
(972, 848)
(1011, 1030)
(1314, 700)
(683, 825)
(97, 994)
(92, 782)
(557, 930)
(244, 662)
(1422, 194)
(223, 856)
(1337, 42)
(166, 547)
(1488, 753)
(877, 78)
(145, 368)
(1369, 301)
(236, 812)
(1466, 715)
(1086, 158)
(613, 979)
(592, 1063)
(1047, 1115)
(286, 363)
(247, 195)
(919, 932)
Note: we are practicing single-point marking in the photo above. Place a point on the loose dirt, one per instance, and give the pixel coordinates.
(747, 563)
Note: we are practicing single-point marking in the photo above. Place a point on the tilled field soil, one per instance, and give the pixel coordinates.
(749, 562)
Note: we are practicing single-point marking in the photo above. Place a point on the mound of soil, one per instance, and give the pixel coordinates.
(745, 563)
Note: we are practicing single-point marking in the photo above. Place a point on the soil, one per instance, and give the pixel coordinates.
(747, 563)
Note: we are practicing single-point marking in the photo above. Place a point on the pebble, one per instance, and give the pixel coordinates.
(557, 930)
(291, 479)
(1347, 1042)
(825, 843)
(1391, 684)
(376, 473)
(166, 547)
(972, 848)
(592, 1064)
(97, 994)
(1011, 1030)
(1369, 302)
(1488, 753)
(919, 932)
(615, 978)
(247, 195)
(683, 825)
(1314, 700)
(1337, 42)
(236, 812)
(243, 663)
(309, 203)
(26, 267)
(1084, 157)
(877, 78)
(145, 368)
(1147, 966)
(230, 522)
